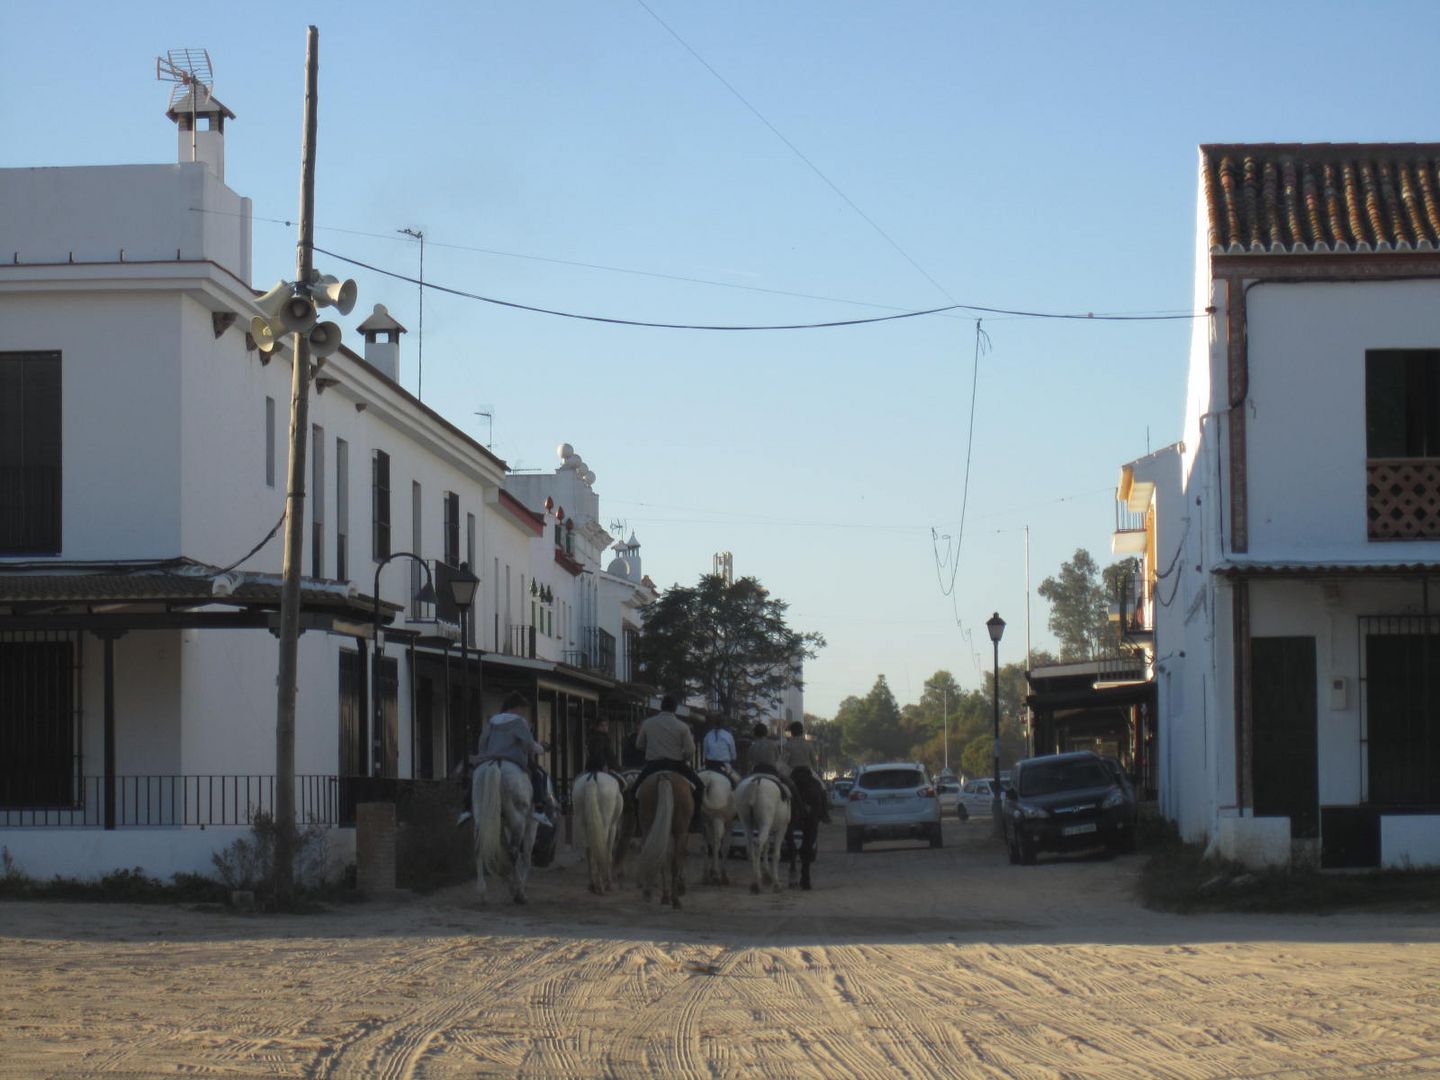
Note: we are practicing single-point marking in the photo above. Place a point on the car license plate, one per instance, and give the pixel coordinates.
(1077, 830)
(890, 798)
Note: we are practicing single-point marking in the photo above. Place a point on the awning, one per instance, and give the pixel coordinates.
(1294, 568)
(170, 594)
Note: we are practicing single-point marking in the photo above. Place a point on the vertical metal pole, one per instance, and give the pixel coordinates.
(286, 692)
(995, 786)
(945, 722)
(109, 731)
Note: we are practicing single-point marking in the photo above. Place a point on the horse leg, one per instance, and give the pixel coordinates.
(755, 840)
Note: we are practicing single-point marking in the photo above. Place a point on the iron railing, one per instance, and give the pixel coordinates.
(159, 800)
(521, 642)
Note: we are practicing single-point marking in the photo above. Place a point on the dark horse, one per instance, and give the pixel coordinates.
(805, 820)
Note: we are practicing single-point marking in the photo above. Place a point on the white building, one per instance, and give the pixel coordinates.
(1303, 714)
(143, 456)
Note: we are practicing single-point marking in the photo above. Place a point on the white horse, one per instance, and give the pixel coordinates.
(716, 813)
(598, 800)
(501, 799)
(766, 817)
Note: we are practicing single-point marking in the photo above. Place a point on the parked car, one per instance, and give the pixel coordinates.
(1062, 802)
(840, 792)
(975, 798)
(894, 800)
(947, 790)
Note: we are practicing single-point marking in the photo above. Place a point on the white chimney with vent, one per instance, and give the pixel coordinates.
(382, 342)
(200, 119)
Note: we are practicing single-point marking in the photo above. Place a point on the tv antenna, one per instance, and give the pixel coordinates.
(190, 71)
(488, 412)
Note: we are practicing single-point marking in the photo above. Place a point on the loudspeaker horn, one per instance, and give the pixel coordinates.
(267, 336)
(324, 339)
(286, 312)
(330, 291)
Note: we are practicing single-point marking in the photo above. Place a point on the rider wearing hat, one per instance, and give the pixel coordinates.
(765, 759)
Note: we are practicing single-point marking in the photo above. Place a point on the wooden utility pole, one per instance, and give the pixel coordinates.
(285, 833)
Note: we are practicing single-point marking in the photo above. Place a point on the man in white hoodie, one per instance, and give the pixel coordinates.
(506, 737)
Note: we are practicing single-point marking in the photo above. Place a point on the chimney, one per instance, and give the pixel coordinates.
(382, 342)
(200, 118)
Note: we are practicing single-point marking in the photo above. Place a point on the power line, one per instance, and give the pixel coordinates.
(615, 321)
(796, 151)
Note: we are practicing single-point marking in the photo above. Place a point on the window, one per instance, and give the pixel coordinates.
(269, 442)
(38, 741)
(317, 501)
(452, 528)
(30, 453)
(380, 505)
(1402, 403)
(342, 510)
(475, 568)
(1402, 725)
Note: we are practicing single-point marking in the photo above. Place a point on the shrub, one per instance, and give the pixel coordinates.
(248, 863)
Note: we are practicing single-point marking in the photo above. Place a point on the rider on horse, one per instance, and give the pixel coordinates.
(718, 750)
(599, 754)
(799, 754)
(765, 760)
(506, 737)
(668, 745)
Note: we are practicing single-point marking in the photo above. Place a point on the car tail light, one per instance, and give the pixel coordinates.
(926, 793)
(857, 796)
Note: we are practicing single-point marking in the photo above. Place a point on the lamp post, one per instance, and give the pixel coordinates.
(463, 584)
(426, 595)
(996, 626)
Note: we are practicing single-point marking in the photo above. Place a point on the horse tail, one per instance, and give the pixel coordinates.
(593, 828)
(485, 797)
(657, 840)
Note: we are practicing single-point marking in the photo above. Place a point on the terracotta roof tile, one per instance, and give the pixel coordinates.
(1306, 198)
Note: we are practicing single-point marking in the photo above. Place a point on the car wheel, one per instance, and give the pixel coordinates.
(1027, 851)
(961, 812)
(853, 840)
(937, 838)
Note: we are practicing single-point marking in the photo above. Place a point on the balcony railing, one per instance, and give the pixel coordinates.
(520, 641)
(597, 652)
(156, 800)
(1402, 498)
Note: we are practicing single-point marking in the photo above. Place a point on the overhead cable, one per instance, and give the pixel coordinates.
(615, 321)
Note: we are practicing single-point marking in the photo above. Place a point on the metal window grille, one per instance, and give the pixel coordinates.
(40, 728)
(1400, 710)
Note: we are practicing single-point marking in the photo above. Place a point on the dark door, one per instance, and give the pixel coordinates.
(1283, 745)
(1401, 682)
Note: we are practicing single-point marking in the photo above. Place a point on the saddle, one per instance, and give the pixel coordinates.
(784, 788)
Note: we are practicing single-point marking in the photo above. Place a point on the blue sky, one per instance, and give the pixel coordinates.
(1026, 156)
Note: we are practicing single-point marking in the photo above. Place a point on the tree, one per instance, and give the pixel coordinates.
(1080, 605)
(871, 725)
(826, 736)
(726, 641)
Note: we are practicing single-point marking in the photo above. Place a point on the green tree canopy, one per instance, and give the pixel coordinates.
(726, 641)
(1080, 597)
(871, 727)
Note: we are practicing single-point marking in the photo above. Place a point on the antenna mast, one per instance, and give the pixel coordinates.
(190, 71)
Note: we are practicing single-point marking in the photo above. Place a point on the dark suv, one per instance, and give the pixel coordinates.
(1062, 802)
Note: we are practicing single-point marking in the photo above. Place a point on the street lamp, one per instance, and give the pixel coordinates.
(426, 595)
(462, 593)
(996, 626)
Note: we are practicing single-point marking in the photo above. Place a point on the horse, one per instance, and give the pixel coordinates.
(716, 812)
(666, 802)
(598, 800)
(501, 797)
(765, 814)
(805, 819)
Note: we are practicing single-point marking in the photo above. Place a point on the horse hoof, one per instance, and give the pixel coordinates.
(519, 899)
(805, 885)
(755, 888)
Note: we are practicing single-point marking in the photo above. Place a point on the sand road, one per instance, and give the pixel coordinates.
(904, 962)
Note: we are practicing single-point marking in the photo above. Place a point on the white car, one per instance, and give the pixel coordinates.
(947, 790)
(894, 800)
(976, 797)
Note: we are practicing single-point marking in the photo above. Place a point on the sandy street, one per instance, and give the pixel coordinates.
(903, 962)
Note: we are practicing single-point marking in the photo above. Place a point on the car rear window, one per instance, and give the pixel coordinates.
(1046, 778)
(891, 779)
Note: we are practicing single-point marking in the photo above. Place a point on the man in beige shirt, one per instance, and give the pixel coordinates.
(668, 744)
